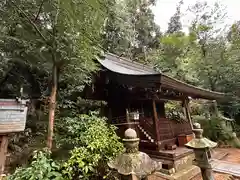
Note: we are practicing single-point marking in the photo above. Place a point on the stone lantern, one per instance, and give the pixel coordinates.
(201, 147)
(133, 164)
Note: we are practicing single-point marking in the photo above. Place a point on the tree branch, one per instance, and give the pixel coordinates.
(54, 33)
(39, 10)
(31, 22)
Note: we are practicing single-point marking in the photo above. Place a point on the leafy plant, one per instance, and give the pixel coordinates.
(174, 112)
(95, 144)
(41, 168)
(59, 37)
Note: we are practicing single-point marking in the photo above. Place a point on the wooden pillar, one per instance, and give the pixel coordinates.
(109, 115)
(155, 123)
(128, 118)
(102, 110)
(3, 152)
(187, 111)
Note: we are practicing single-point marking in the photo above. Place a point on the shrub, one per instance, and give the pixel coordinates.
(216, 130)
(95, 143)
(41, 168)
(174, 111)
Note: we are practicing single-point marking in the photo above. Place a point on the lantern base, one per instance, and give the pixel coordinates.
(173, 160)
(176, 164)
(187, 173)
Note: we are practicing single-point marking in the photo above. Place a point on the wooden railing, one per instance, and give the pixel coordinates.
(169, 129)
(147, 124)
(119, 120)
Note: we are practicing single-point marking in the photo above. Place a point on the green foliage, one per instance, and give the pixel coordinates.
(95, 143)
(92, 143)
(130, 29)
(217, 130)
(175, 24)
(204, 57)
(41, 168)
(59, 37)
(73, 31)
(41, 34)
(174, 111)
(70, 106)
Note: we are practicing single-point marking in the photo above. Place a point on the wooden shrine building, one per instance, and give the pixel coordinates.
(136, 95)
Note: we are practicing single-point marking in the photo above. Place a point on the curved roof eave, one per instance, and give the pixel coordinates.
(196, 92)
(126, 67)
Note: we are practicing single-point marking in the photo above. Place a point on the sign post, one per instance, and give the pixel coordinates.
(13, 114)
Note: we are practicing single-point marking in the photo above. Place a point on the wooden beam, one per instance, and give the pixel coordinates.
(155, 123)
(3, 152)
(159, 98)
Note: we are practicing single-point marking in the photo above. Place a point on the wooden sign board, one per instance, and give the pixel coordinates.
(13, 114)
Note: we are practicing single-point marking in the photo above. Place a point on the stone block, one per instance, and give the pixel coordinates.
(183, 162)
(186, 174)
(171, 147)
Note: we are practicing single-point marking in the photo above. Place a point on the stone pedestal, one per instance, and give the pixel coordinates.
(176, 164)
(186, 174)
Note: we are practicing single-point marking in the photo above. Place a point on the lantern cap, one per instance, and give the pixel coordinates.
(130, 135)
(200, 142)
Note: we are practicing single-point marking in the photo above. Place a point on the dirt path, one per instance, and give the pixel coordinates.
(233, 154)
(230, 159)
(226, 167)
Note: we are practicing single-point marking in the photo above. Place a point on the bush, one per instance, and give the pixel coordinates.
(216, 130)
(174, 111)
(92, 143)
(95, 143)
(41, 168)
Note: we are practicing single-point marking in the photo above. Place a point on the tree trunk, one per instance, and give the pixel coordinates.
(52, 106)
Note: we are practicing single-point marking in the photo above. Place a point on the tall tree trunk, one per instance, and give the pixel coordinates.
(52, 106)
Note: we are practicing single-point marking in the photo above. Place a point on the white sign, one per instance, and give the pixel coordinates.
(13, 114)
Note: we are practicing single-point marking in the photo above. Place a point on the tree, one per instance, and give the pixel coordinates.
(118, 33)
(147, 31)
(214, 57)
(130, 29)
(208, 52)
(175, 24)
(58, 36)
(233, 56)
(171, 56)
